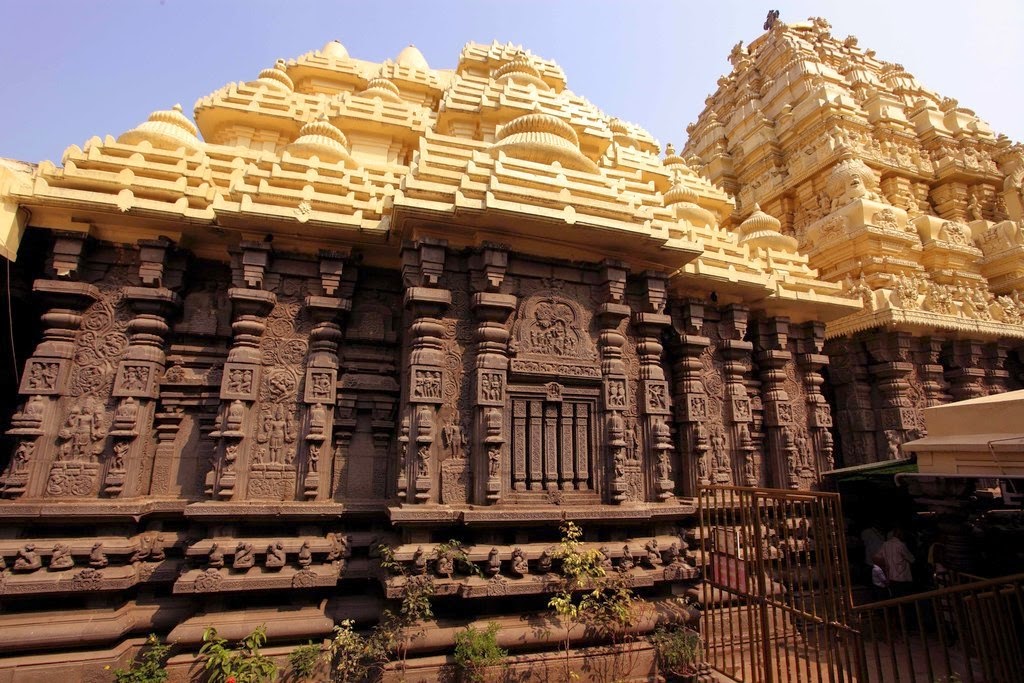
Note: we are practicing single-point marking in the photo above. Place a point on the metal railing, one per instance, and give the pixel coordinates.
(777, 603)
(965, 632)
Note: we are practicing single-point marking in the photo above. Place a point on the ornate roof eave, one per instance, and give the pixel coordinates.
(541, 232)
(922, 323)
(14, 176)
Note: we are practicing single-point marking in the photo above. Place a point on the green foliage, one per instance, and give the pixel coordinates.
(352, 655)
(454, 548)
(304, 659)
(587, 595)
(678, 649)
(395, 632)
(244, 663)
(476, 650)
(151, 668)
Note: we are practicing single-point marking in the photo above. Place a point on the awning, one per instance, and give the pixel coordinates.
(873, 470)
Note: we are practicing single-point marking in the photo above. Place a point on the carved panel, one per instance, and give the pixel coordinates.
(243, 380)
(321, 385)
(138, 379)
(46, 376)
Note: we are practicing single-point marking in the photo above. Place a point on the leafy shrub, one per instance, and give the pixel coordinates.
(678, 650)
(475, 650)
(151, 668)
(304, 659)
(243, 664)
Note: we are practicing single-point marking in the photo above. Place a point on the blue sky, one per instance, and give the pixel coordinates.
(77, 68)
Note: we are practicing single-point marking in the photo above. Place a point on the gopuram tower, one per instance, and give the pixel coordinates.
(356, 309)
(904, 198)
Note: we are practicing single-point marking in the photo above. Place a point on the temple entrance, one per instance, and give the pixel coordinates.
(777, 603)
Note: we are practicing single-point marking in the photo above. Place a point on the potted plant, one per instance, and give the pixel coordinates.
(678, 651)
(476, 651)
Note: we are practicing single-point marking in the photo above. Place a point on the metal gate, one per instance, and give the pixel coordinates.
(777, 602)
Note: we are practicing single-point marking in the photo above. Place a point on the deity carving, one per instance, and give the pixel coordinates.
(244, 557)
(240, 381)
(652, 556)
(419, 561)
(492, 387)
(427, 384)
(520, 566)
(42, 376)
(850, 180)
(626, 563)
(493, 566)
(215, 559)
(276, 556)
(452, 437)
(445, 564)
(277, 432)
(61, 558)
(82, 434)
(98, 558)
(28, 559)
(305, 556)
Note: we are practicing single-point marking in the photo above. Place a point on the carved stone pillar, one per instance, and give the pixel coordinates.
(785, 470)
(491, 309)
(689, 396)
(964, 371)
(854, 416)
(622, 463)
(811, 360)
(137, 383)
(422, 267)
(240, 382)
(45, 379)
(997, 377)
(655, 400)
(320, 396)
(891, 372)
(929, 368)
(736, 354)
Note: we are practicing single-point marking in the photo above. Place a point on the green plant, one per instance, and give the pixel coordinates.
(243, 664)
(151, 668)
(587, 596)
(678, 650)
(352, 655)
(304, 659)
(476, 650)
(395, 632)
(455, 549)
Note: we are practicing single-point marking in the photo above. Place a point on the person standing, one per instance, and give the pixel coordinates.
(898, 561)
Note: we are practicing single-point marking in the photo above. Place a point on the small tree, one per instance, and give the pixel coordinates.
(395, 632)
(587, 596)
(243, 664)
(151, 668)
(475, 651)
(352, 655)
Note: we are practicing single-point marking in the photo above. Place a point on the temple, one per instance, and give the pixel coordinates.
(351, 305)
(903, 197)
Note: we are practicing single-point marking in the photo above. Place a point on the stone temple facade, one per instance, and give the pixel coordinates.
(357, 304)
(904, 197)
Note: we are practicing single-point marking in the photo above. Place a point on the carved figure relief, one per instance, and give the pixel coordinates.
(82, 434)
(61, 557)
(550, 338)
(492, 388)
(426, 384)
